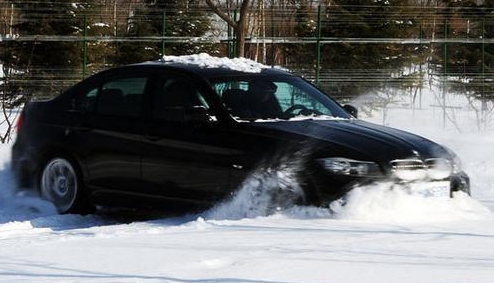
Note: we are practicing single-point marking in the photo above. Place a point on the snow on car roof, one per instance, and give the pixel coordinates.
(205, 60)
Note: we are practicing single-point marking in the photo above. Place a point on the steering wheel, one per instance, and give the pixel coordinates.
(303, 110)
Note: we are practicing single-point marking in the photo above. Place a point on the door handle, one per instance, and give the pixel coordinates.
(83, 128)
(153, 138)
(80, 129)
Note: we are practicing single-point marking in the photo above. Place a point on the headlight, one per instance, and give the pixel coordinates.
(345, 166)
(455, 161)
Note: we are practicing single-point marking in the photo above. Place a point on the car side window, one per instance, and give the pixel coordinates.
(174, 97)
(117, 97)
(121, 97)
(85, 102)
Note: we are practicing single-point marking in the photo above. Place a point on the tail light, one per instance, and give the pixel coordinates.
(20, 122)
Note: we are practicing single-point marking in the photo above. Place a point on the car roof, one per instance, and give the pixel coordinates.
(208, 72)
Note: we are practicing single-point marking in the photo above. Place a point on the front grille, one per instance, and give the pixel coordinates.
(408, 164)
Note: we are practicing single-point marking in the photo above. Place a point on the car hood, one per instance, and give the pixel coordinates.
(357, 139)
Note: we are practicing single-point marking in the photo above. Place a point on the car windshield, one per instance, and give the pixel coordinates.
(260, 97)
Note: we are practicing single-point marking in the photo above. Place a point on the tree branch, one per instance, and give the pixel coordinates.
(231, 22)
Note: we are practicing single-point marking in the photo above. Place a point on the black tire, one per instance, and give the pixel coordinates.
(60, 182)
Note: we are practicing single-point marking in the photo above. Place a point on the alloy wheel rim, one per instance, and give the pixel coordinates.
(59, 184)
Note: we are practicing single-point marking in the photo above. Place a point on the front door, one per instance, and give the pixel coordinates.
(185, 156)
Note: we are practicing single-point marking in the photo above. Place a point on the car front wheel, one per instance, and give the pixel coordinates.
(60, 183)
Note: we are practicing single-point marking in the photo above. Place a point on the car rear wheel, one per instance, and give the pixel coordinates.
(60, 183)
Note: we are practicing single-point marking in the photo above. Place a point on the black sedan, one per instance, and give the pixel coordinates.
(163, 134)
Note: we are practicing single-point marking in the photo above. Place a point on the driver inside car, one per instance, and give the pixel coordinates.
(261, 102)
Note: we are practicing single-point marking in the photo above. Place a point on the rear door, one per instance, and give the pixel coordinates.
(110, 133)
(185, 155)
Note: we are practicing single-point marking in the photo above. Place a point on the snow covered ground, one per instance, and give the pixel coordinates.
(379, 236)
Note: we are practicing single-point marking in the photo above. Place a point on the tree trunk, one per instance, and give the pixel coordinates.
(241, 33)
(239, 26)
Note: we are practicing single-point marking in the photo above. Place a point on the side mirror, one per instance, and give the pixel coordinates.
(198, 114)
(352, 110)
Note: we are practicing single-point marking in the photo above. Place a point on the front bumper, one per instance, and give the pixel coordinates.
(326, 186)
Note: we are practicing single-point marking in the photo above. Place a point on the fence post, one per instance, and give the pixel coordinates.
(484, 103)
(163, 33)
(318, 47)
(445, 63)
(84, 48)
(273, 54)
(421, 33)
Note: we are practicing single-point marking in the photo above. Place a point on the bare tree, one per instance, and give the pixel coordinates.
(240, 26)
(8, 110)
